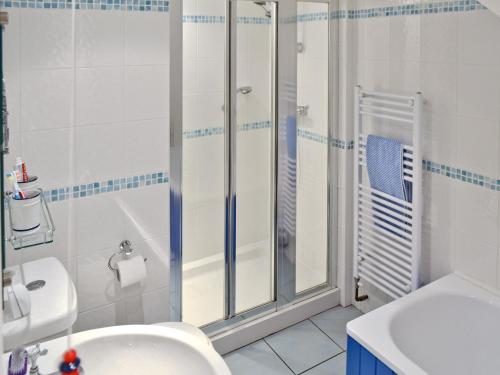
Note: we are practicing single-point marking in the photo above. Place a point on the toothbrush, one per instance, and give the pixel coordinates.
(18, 362)
(18, 193)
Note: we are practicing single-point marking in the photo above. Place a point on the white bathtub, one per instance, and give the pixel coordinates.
(450, 327)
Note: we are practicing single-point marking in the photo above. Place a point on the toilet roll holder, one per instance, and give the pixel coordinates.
(126, 251)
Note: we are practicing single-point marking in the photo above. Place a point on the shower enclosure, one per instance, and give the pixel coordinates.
(250, 159)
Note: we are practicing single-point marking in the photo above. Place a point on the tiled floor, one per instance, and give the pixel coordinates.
(315, 346)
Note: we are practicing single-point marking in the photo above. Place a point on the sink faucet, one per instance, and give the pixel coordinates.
(33, 356)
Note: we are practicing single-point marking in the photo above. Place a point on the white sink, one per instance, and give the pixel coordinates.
(172, 348)
(53, 307)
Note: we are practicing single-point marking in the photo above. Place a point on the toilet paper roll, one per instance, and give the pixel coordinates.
(131, 271)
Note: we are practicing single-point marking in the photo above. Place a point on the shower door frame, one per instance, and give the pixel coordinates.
(332, 195)
(285, 105)
(231, 131)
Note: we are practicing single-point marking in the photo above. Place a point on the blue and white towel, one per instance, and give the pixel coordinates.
(385, 163)
(384, 160)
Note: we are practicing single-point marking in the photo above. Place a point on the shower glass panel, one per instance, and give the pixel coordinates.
(254, 168)
(203, 270)
(312, 145)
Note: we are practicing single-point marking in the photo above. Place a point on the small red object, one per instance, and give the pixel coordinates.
(25, 173)
(71, 363)
(70, 356)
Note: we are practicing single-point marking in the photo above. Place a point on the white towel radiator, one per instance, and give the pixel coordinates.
(387, 230)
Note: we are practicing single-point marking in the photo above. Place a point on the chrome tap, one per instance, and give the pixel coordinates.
(33, 356)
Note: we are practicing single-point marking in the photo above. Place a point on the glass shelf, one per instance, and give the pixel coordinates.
(44, 234)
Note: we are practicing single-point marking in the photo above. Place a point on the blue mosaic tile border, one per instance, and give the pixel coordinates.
(323, 139)
(198, 133)
(128, 5)
(463, 175)
(107, 186)
(416, 9)
(222, 19)
(391, 11)
(255, 126)
(311, 17)
(163, 6)
(304, 133)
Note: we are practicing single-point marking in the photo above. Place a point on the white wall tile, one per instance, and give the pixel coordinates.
(100, 95)
(99, 153)
(46, 154)
(439, 87)
(12, 40)
(189, 40)
(439, 38)
(146, 38)
(96, 283)
(476, 236)
(211, 41)
(211, 7)
(405, 38)
(190, 7)
(99, 223)
(146, 92)
(158, 263)
(440, 137)
(156, 306)
(477, 145)
(375, 75)
(109, 315)
(376, 38)
(479, 91)
(189, 75)
(144, 146)
(404, 77)
(46, 38)
(146, 212)
(46, 99)
(477, 33)
(437, 227)
(211, 74)
(203, 111)
(100, 38)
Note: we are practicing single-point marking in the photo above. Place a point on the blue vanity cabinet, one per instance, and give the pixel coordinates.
(361, 362)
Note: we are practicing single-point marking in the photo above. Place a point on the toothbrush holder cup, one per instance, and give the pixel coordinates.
(26, 213)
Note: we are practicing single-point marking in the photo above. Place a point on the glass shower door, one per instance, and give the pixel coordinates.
(204, 189)
(228, 251)
(254, 165)
(312, 254)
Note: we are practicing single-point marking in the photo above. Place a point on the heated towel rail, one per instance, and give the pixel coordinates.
(387, 230)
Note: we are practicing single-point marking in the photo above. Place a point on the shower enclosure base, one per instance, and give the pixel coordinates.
(246, 333)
